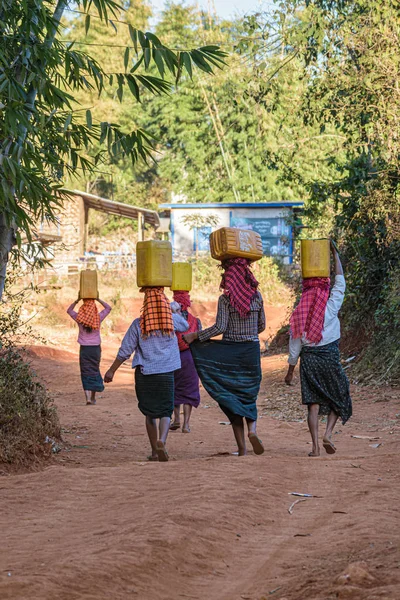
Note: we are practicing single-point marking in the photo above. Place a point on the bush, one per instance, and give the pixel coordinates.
(28, 422)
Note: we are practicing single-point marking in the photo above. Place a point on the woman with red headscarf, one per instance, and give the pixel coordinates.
(89, 320)
(187, 392)
(314, 336)
(230, 369)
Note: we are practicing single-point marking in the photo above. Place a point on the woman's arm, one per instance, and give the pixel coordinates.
(261, 318)
(336, 258)
(294, 353)
(128, 346)
(221, 321)
(70, 310)
(289, 375)
(106, 311)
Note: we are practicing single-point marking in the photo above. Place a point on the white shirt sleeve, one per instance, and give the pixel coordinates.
(294, 350)
(130, 342)
(336, 296)
(180, 323)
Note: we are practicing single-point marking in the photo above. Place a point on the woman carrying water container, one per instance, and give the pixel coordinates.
(230, 369)
(153, 341)
(89, 320)
(314, 337)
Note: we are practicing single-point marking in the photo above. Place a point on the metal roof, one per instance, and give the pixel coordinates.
(116, 208)
(236, 205)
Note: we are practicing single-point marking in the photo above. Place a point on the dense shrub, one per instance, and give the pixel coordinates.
(28, 422)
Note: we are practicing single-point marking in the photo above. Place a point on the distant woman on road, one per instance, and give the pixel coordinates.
(230, 369)
(187, 393)
(152, 338)
(314, 336)
(89, 320)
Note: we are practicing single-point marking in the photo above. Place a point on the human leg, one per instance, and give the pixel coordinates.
(151, 428)
(93, 397)
(88, 396)
(176, 423)
(312, 421)
(253, 437)
(164, 428)
(327, 442)
(187, 411)
(238, 431)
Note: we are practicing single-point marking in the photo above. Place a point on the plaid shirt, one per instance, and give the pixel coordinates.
(234, 327)
(156, 353)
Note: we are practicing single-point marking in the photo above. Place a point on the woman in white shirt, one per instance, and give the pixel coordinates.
(153, 341)
(314, 337)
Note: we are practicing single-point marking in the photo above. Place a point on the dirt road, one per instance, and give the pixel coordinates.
(103, 523)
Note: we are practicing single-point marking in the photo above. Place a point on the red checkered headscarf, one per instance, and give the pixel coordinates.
(156, 314)
(88, 315)
(239, 284)
(183, 298)
(308, 316)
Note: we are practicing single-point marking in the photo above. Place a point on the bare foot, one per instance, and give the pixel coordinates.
(161, 451)
(256, 443)
(185, 429)
(314, 452)
(328, 445)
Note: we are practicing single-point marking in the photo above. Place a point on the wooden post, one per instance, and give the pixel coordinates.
(86, 228)
(140, 222)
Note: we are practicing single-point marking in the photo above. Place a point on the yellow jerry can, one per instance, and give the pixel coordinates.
(230, 242)
(154, 264)
(315, 258)
(181, 276)
(88, 288)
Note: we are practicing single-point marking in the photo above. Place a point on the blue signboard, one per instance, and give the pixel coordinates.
(275, 233)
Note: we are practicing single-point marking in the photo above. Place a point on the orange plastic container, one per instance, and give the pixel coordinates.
(88, 287)
(181, 276)
(154, 264)
(315, 258)
(229, 242)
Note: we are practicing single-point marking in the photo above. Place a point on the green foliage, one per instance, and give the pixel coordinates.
(217, 138)
(350, 59)
(44, 136)
(28, 423)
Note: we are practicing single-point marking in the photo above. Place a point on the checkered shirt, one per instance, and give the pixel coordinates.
(156, 353)
(232, 326)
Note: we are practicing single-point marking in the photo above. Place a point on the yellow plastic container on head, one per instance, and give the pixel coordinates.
(315, 258)
(229, 242)
(88, 288)
(181, 276)
(154, 264)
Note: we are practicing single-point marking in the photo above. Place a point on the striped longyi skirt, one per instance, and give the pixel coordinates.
(155, 394)
(231, 374)
(323, 380)
(89, 362)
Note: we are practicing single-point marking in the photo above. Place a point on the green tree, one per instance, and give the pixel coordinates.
(349, 52)
(43, 136)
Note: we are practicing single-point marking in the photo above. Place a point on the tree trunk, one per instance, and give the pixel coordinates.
(7, 241)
